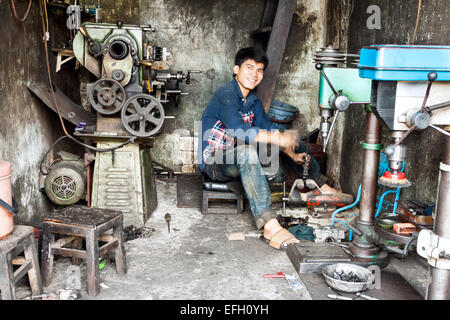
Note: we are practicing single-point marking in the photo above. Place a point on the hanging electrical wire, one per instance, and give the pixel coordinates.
(46, 38)
(46, 15)
(26, 13)
(417, 21)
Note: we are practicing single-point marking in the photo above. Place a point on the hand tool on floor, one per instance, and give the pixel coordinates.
(168, 217)
(338, 297)
(279, 274)
(362, 295)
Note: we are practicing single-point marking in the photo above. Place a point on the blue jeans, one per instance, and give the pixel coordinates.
(246, 165)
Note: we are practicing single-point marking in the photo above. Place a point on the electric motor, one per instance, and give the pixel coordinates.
(65, 183)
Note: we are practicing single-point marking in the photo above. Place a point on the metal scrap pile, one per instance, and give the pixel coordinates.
(349, 277)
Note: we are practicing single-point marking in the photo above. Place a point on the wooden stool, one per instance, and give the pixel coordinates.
(223, 207)
(78, 223)
(20, 240)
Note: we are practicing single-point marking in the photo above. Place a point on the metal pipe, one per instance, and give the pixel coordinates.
(370, 169)
(439, 279)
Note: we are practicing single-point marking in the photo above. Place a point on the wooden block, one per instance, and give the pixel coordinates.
(236, 236)
(404, 228)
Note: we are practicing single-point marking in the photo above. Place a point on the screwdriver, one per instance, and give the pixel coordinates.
(168, 217)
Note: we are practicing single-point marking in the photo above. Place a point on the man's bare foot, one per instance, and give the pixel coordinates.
(327, 189)
(272, 227)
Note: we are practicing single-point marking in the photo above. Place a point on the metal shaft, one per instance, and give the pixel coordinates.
(364, 243)
(439, 279)
(370, 169)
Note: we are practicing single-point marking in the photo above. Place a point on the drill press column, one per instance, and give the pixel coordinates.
(439, 279)
(364, 242)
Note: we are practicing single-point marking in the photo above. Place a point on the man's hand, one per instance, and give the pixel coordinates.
(288, 141)
(301, 158)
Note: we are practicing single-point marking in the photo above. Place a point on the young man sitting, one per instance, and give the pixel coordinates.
(232, 124)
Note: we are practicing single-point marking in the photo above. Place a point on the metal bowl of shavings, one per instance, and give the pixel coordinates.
(346, 277)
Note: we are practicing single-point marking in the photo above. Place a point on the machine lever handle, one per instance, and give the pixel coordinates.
(331, 130)
(440, 130)
(432, 76)
(390, 150)
(85, 33)
(319, 67)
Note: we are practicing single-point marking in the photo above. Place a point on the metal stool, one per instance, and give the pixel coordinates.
(219, 192)
(215, 195)
(78, 223)
(20, 240)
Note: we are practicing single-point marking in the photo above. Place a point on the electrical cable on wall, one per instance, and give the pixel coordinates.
(417, 21)
(26, 13)
(46, 38)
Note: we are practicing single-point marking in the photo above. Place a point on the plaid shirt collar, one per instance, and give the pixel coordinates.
(251, 98)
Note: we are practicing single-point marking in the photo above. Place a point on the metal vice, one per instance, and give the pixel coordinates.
(321, 205)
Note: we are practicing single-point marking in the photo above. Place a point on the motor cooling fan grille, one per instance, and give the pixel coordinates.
(64, 187)
(65, 184)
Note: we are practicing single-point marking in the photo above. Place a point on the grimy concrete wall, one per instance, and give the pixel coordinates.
(205, 35)
(28, 128)
(25, 126)
(200, 35)
(298, 79)
(398, 20)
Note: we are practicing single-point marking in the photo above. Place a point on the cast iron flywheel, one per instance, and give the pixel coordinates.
(142, 115)
(107, 96)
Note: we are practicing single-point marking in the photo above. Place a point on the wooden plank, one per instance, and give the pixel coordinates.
(47, 257)
(34, 274)
(106, 247)
(7, 285)
(81, 216)
(77, 244)
(275, 50)
(69, 252)
(106, 238)
(70, 111)
(63, 241)
(92, 254)
(119, 253)
(19, 273)
(261, 35)
(18, 261)
(270, 7)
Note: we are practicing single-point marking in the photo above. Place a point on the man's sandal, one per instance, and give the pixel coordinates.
(278, 239)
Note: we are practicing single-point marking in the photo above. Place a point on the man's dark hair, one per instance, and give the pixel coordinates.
(251, 53)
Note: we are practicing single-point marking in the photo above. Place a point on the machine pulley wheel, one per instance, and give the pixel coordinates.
(107, 96)
(142, 115)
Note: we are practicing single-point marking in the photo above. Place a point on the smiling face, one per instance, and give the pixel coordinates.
(249, 75)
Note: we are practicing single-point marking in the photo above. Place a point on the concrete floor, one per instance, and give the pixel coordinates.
(196, 261)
